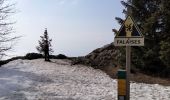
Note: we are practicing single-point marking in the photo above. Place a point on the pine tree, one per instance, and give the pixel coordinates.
(165, 43)
(148, 13)
(45, 45)
(152, 17)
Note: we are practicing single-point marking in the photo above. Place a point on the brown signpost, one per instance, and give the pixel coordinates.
(128, 35)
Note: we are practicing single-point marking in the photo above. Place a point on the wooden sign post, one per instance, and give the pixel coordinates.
(128, 35)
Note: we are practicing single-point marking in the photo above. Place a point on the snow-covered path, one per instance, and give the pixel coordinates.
(58, 80)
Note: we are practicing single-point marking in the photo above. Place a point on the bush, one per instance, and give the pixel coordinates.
(31, 56)
(2, 62)
(60, 56)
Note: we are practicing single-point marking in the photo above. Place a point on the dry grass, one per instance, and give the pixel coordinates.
(142, 78)
(139, 77)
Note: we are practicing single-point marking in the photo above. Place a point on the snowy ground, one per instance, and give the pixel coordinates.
(58, 80)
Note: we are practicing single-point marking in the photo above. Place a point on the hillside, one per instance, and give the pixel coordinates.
(59, 80)
(106, 59)
(103, 58)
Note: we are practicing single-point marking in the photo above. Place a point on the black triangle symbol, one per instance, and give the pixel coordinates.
(135, 33)
(122, 31)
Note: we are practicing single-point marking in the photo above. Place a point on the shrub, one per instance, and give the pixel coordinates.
(31, 56)
(60, 56)
(2, 62)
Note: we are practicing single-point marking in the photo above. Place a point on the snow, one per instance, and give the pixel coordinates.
(59, 80)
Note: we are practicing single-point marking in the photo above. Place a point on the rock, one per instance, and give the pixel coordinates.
(101, 57)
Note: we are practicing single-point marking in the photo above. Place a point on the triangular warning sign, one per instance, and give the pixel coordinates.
(129, 29)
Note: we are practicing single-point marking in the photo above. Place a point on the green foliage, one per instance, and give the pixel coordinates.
(153, 19)
(165, 53)
(165, 43)
(2, 62)
(45, 46)
(121, 57)
(60, 56)
(150, 17)
(31, 56)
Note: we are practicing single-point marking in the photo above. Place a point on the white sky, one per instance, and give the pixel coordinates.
(76, 26)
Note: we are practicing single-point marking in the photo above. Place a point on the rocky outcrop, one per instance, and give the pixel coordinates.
(101, 57)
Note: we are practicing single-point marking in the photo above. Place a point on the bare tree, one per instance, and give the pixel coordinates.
(45, 45)
(6, 26)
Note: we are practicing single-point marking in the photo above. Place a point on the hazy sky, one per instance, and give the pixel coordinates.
(76, 26)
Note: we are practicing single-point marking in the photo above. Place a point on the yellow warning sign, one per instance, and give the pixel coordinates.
(129, 34)
(129, 27)
(122, 87)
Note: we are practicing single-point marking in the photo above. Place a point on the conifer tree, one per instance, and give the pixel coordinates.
(148, 13)
(45, 46)
(153, 19)
(165, 43)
